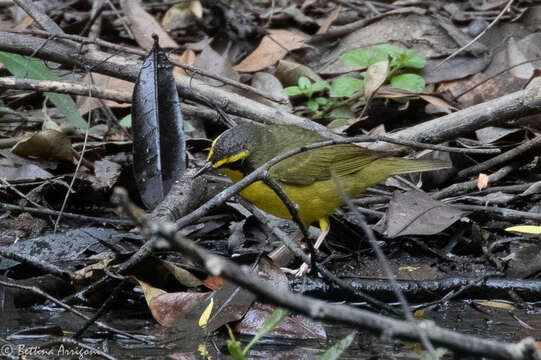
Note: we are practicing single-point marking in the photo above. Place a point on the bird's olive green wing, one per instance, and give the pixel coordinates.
(319, 164)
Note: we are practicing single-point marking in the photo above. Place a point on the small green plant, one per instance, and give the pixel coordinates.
(234, 346)
(401, 61)
(334, 352)
(307, 88)
(344, 91)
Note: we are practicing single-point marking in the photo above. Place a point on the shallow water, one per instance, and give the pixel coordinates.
(466, 317)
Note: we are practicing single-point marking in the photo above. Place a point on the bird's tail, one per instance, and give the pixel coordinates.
(396, 166)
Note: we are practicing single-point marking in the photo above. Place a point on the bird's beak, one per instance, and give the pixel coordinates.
(208, 165)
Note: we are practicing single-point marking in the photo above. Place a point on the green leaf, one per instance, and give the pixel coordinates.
(414, 59)
(337, 349)
(346, 86)
(337, 123)
(27, 67)
(304, 83)
(357, 57)
(410, 82)
(321, 100)
(319, 86)
(312, 105)
(126, 121)
(292, 91)
(383, 51)
(340, 116)
(234, 346)
(273, 321)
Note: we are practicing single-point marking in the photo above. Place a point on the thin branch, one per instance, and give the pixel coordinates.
(101, 220)
(139, 52)
(458, 188)
(496, 19)
(37, 263)
(500, 159)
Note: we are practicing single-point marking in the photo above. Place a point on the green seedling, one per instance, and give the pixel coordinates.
(234, 346)
(401, 62)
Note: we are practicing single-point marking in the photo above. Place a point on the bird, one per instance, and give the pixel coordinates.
(307, 178)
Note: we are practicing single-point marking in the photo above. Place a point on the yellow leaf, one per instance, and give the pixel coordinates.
(418, 314)
(149, 291)
(496, 304)
(202, 348)
(203, 320)
(197, 9)
(408, 268)
(525, 229)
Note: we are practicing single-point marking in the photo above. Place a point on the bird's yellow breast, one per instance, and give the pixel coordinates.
(315, 201)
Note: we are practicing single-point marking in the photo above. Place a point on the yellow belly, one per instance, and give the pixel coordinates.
(315, 201)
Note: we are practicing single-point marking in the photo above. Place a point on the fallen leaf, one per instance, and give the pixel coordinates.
(143, 25)
(45, 145)
(293, 326)
(187, 58)
(496, 304)
(376, 74)
(273, 47)
(182, 15)
(182, 275)
(326, 23)
(416, 213)
(25, 172)
(107, 172)
(86, 103)
(525, 229)
(204, 319)
(289, 72)
(437, 101)
(169, 309)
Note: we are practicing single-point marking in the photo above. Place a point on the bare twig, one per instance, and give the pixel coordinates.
(458, 188)
(37, 263)
(463, 122)
(500, 159)
(455, 53)
(71, 215)
(139, 52)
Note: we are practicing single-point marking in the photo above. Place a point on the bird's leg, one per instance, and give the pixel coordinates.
(325, 226)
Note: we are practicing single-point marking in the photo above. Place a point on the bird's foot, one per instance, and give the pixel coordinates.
(301, 271)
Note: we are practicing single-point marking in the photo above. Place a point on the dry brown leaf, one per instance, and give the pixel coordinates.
(187, 58)
(45, 145)
(326, 23)
(143, 25)
(437, 101)
(86, 103)
(376, 74)
(482, 181)
(289, 72)
(273, 47)
(214, 282)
